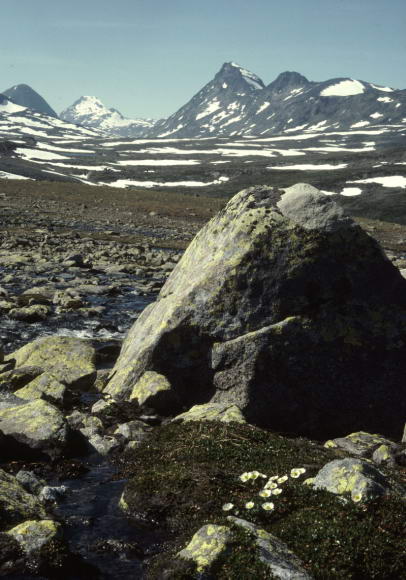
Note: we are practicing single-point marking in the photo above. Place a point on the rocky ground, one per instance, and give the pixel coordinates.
(78, 265)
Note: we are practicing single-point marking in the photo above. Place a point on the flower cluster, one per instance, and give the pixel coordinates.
(271, 487)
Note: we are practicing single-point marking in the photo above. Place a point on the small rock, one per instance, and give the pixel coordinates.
(52, 493)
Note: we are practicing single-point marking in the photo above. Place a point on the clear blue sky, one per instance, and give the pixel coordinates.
(148, 57)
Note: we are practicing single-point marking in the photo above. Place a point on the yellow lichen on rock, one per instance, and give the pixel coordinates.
(212, 412)
(206, 545)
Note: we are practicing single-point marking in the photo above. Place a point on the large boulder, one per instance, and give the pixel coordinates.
(37, 425)
(285, 307)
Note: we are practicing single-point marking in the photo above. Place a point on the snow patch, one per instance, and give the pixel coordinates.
(343, 89)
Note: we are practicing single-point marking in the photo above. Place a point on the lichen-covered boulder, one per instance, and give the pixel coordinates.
(355, 476)
(44, 387)
(206, 545)
(37, 424)
(275, 554)
(284, 307)
(33, 535)
(212, 412)
(16, 504)
(70, 360)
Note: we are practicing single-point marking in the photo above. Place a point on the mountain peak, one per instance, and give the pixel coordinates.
(25, 96)
(288, 80)
(234, 74)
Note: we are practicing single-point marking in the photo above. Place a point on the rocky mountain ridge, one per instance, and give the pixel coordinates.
(237, 102)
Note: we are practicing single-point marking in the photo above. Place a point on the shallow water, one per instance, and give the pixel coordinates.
(97, 530)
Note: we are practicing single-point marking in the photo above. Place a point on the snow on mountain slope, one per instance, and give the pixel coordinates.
(89, 111)
(236, 102)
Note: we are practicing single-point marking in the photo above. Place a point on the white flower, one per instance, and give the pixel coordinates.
(276, 491)
(245, 476)
(265, 493)
(282, 479)
(271, 485)
(268, 505)
(227, 507)
(297, 472)
(249, 505)
(357, 497)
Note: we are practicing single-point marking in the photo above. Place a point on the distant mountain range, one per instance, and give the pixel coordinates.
(236, 102)
(90, 112)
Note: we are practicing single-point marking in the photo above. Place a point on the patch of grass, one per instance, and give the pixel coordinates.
(182, 475)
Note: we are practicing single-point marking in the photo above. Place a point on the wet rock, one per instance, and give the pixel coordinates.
(16, 504)
(34, 535)
(37, 424)
(275, 554)
(69, 360)
(30, 481)
(277, 318)
(212, 412)
(34, 313)
(355, 476)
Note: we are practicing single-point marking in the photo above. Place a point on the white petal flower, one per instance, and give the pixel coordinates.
(276, 491)
(265, 493)
(249, 505)
(357, 497)
(297, 472)
(227, 507)
(245, 477)
(268, 505)
(282, 479)
(271, 485)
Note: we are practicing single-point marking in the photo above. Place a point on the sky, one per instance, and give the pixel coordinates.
(147, 58)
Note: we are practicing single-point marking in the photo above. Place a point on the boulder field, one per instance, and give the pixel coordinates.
(284, 307)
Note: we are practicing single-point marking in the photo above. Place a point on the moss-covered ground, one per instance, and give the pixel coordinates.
(183, 474)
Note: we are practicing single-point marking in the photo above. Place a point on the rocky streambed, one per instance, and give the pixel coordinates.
(159, 463)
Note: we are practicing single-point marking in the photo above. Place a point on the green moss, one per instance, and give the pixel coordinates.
(182, 475)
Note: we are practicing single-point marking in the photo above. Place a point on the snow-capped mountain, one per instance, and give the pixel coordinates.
(237, 102)
(26, 97)
(91, 112)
